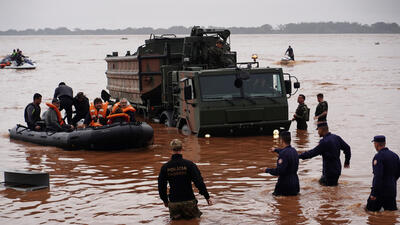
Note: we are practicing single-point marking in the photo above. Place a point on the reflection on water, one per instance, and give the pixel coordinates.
(120, 187)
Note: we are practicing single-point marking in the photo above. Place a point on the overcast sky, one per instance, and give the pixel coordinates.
(113, 14)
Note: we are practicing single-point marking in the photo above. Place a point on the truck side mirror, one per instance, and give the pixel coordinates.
(296, 85)
(288, 86)
(188, 92)
(238, 83)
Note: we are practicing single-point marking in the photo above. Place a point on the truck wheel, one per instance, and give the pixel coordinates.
(186, 130)
(166, 119)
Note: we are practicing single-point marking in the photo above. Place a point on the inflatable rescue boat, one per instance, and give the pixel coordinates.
(109, 137)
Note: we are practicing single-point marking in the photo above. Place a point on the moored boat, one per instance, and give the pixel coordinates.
(109, 137)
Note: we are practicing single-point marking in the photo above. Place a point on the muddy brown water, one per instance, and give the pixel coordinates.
(360, 80)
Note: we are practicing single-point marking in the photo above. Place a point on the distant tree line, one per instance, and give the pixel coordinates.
(291, 28)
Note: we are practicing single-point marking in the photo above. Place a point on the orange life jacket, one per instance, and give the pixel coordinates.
(126, 109)
(97, 114)
(59, 117)
(116, 115)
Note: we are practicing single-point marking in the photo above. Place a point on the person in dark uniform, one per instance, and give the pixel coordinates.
(321, 111)
(301, 114)
(32, 113)
(290, 53)
(65, 94)
(386, 169)
(81, 104)
(329, 147)
(180, 173)
(217, 57)
(286, 168)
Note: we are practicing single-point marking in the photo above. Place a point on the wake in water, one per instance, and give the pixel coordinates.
(292, 63)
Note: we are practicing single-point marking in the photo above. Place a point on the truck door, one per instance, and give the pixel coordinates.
(189, 104)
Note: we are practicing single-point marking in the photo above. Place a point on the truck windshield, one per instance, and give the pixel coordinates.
(262, 85)
(257, 85)
(218, 87)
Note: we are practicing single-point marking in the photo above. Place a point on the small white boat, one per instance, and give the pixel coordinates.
(24, 65)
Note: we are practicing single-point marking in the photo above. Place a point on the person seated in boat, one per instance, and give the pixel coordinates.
(32, 113)
(126, 108)
(118, 116)
(19, 57)
(81, 104)
(98, 112)
(53, 118)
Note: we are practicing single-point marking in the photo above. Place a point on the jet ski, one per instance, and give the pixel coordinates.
(7, 63)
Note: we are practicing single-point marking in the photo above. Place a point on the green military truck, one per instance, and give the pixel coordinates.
(176, 81)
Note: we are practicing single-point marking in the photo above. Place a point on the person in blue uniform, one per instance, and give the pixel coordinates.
(329, 147)
(180, 173)
(286, 168)
(386, 169)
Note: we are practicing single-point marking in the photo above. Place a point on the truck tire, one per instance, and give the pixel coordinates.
(186, 130)
(166, 118)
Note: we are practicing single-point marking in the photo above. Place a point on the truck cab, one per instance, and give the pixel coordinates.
(175, 81)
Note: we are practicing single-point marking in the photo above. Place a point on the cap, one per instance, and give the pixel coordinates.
(176, 144)
(322, 124)
(55, 100)
(379, 138)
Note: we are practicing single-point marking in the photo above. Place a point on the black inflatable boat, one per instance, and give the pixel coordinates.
(113, 136)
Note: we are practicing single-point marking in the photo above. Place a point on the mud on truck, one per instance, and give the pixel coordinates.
(176, 81)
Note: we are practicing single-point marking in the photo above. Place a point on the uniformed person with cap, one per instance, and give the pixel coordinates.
(180, 173)
(329, 147)
(286, 167)
(386, 168)
(321, 112)
(301, 115)
(217, 56)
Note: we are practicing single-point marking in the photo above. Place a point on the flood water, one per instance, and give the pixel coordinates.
(360, 81)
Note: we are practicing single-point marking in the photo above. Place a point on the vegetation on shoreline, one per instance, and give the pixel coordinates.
(290, 28)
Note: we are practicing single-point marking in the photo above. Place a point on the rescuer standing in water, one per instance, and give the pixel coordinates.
(180, 173)
(286, 168)
(386, 168)
(329, 147)
(301, 115)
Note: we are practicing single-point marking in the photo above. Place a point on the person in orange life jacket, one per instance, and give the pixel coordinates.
(32, 113)
(53, 119)
(98, 113)
(128, 109)
(117, 116)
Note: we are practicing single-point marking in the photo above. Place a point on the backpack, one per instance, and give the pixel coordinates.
(307, 115)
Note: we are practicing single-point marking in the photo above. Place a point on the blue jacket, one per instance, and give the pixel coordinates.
(329, 147)
(286, 168)
(386, 166)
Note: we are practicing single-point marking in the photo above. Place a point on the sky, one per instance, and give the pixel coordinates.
(120, 14)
